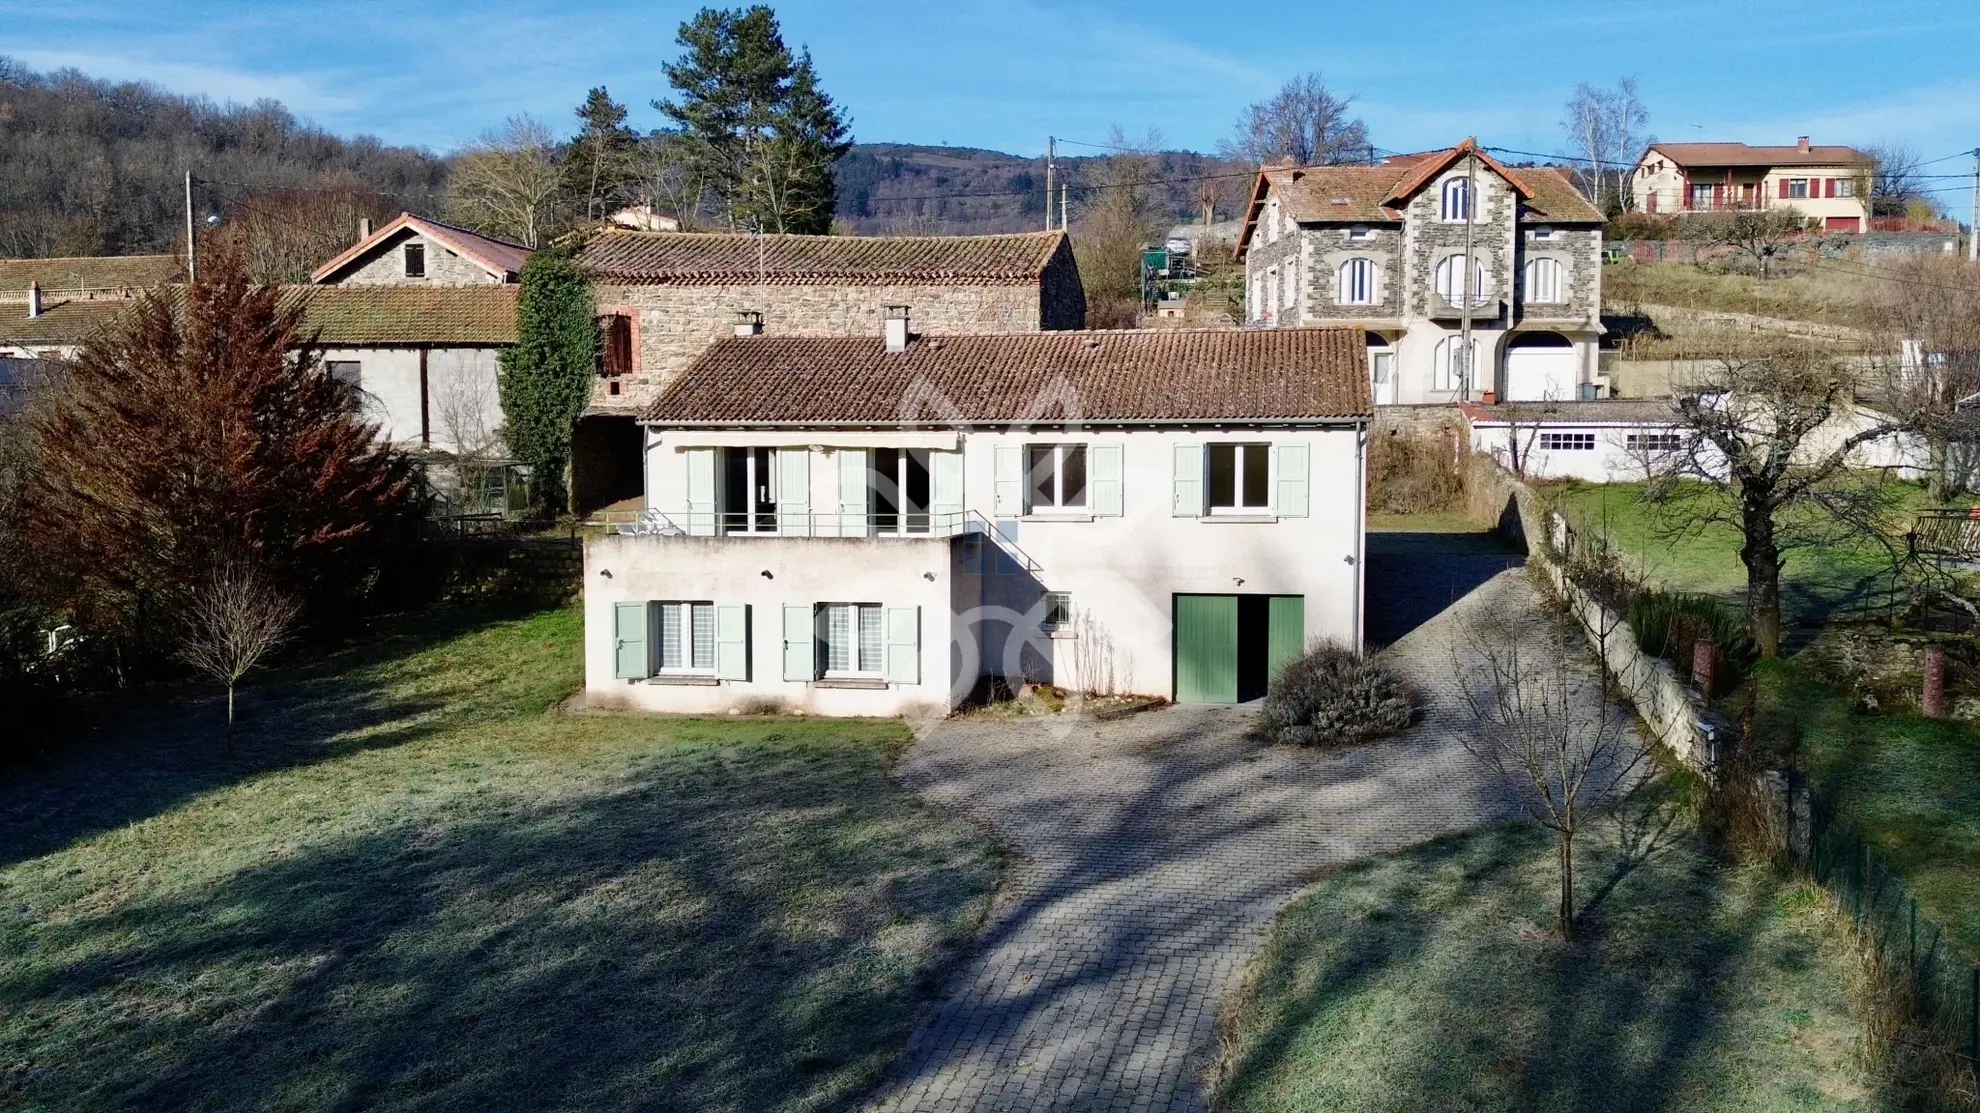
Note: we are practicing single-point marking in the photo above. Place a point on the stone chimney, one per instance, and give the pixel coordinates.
(34, 300)
(749, 323)
(364, 228)
(1801, 144)
(894, 327)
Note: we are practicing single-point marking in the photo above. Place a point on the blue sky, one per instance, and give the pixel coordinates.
(1006, 74)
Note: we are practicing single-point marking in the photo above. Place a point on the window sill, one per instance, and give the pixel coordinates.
(684, 680)
(866, 683)
(1252, 519)
(1061, 633)
(1057, 517)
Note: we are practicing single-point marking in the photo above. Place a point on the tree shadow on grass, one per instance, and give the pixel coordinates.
(730, 928)
(146, 752)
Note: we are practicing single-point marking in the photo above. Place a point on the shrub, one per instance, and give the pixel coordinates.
(1412, 473)
(1335, 697)
(1667, 623)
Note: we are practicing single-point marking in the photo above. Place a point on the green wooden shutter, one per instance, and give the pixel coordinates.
(854, 517)
(794, 492)
(1104, 476)
(1008, 490)
(945, 495)
(1206, 648)
(799, 635)
(700, 491)
(631, 655)
(1188, 492)
(904, 645)
(1285, 638)
(732, 641)
(1290, 479)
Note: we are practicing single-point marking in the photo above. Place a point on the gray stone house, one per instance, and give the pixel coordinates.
(665, 297)
(1384, 248)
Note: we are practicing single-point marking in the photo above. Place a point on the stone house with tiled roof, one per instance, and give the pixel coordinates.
(48, 307)
(886, 524)
(1828, 184)
(1384, 249)
(664, 297)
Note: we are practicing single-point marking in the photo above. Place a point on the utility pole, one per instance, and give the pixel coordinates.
(191, 275)
(1051, 155)
(1973, 222)
(1463, 281)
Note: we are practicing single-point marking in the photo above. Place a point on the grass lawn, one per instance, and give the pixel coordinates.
(1816, 584)
(1420, 981)
(1911, 784)
(1796, 293)
(416, 890)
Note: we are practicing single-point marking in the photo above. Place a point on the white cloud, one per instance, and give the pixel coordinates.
(303, 94)
(1936, 119)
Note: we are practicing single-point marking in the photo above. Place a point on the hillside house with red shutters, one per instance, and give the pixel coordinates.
(1830, 184)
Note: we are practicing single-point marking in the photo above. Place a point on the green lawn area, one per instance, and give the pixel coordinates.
(1425, 980)
(1909, 783)
(1824, 296)
(1670, 549)
(417, 890)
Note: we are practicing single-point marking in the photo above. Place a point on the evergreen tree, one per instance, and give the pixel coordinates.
(754, 123)
(601, 164)
(546, 378)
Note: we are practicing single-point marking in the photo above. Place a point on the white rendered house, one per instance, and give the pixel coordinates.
(869, 526)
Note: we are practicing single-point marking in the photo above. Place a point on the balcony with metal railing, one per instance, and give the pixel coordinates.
(882, 527)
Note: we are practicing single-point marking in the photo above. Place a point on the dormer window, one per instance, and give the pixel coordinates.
(415, 260)
(1456, 200)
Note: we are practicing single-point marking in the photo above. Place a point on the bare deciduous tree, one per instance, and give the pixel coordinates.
(1606, 127)
(1548, 727)
(508, 183)
(1304, 121)
(1761, 234)
(1894, 181)
(1118, 219)
(1930, 313)
(232, 621)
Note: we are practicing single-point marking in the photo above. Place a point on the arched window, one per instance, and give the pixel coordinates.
(1447, 370)
(1450, 286)
(1543, 281)
(1457, 199)
(1357, 282)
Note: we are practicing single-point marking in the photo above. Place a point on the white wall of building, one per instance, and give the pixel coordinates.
(462, 408)
(1122, 571)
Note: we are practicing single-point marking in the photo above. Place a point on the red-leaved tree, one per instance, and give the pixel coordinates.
(203, 429)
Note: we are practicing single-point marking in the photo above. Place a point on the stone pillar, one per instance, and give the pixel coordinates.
(1935, 681)
(1704, 666)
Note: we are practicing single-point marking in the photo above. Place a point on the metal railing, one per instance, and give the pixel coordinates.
(998, 538)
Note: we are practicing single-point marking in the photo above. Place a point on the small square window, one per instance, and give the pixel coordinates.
(415, 260)
(1058, 476)
(348, 374)
(1058, 611)
(1360, 232)
(686, 634)
(853, 642)
(1240, 479)
(1543, 232)
(1567, 442)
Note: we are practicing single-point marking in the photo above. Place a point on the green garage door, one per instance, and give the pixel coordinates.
(1287, 639)
(1206, 648)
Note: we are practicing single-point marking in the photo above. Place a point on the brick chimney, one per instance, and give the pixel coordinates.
(34, 300)
(894, 327)
(1801, 144)
(749, 322)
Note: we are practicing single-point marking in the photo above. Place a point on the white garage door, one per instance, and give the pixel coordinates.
(1540, 374)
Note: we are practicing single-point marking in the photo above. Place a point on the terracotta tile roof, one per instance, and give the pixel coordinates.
(497, 256)
(61, 323)
(100, 273)
(1377, 194)
(1152, 375)
(1740, 154)
(463, 316)
(723, 258)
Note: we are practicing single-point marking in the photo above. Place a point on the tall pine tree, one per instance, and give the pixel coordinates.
(545, 379)
(754, 122)
(601, 164)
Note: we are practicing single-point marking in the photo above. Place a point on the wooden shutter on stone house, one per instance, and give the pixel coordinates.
(616, 348)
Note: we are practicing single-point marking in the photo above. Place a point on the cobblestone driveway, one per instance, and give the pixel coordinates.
(1153, 853)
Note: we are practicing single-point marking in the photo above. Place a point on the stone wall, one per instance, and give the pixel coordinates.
(1061, 295)
(1327, 247)
(1262, 257)
(1579, 252)
(1428, 240)
(385, 265)
(674, 324)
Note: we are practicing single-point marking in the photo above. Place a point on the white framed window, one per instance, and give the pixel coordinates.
(1567, 442)
(1545, 232)
(749, 490)
(1455, 201)
(1058, 614)
(1447, 368)
(1360, 233)
(348, 374)
(1797, 187)
(1239, 479)
(1056, 477)
(1357, 282)
(1652, 442)
(1845, 187)
(1450, 284)
(901, 489)
(686, 633)
(1543, 281)
(855, 639)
